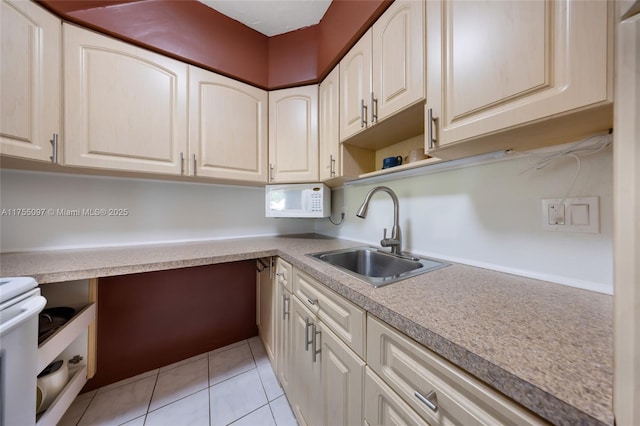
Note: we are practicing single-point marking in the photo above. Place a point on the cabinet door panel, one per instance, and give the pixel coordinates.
(329, 126)
(342, 381)
(305, 377)
(30, 105)
(409, 369)
(398, 58)
(227, 127)
(355, 86)
(125, 108)
(497, 65)
(345, 319)
(283, 321)
(293, 134)
(384, 407)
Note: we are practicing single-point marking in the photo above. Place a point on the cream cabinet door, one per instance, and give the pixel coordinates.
(293, 135)
(384, 407)
(30, 104)
(283, 321)
(355, 88)
(329, 124)
(497, 65)
(397, 59)
(305, 378)
(125, 107)
(227, 128)
(342, 381)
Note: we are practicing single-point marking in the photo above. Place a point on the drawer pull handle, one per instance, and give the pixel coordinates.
(285, 303)
(314, 343)
(313, 302)
(428, 400)
(307, 342)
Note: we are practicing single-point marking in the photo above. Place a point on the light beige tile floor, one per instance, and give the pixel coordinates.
(231, 385)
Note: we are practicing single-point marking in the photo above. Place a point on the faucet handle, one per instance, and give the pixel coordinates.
(384, 234)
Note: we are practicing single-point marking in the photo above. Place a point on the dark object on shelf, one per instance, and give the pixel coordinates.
(51, 320)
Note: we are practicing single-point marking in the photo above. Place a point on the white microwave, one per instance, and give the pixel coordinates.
(312, 200)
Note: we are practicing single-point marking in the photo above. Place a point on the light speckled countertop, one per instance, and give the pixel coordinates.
(547, 346)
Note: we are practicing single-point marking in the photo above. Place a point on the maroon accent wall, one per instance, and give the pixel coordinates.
(152, 319)
(194, 33)
(293, 57)
(341, 27)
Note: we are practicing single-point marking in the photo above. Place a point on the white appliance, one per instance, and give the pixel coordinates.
(311, 200)
(20, 304)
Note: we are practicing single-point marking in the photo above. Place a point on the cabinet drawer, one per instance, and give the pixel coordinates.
(343, 317)
(284, 274)
(384, 407)
(415, 373)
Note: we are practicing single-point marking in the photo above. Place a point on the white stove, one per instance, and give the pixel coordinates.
(20, 304)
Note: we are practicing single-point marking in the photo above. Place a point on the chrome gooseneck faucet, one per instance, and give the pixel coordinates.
(395, 242)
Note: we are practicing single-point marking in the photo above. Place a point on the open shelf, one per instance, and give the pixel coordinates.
(413, 165)
(61, 339)
(63, 401)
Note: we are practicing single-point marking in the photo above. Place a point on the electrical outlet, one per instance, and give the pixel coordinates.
(581, 214)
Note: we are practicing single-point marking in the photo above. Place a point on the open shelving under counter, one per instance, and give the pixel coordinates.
(74, 342)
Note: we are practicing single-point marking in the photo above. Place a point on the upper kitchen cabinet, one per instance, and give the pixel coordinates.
(125, 107)
(540, 68)
(293, 135)
(227, 128)
(384, 72)
(329, 126)
(30, 105)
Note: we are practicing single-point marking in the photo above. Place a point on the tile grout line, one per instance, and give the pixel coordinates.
(86, 408)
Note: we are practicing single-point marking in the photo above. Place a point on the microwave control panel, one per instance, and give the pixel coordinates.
(316, 202)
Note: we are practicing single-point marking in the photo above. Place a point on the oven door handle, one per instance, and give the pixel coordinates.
(31, 307)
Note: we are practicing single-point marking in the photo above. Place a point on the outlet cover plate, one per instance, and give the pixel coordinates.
(580, 214)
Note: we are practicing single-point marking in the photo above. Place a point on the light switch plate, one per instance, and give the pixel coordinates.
(579, 214)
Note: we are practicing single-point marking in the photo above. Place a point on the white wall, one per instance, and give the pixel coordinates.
(490, 216)
(159, 211)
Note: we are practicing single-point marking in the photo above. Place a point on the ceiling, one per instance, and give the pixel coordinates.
(272, 17)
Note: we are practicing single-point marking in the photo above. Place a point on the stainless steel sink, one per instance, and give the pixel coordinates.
(377, 267)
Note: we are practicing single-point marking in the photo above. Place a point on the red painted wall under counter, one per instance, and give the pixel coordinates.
(194, 33)
(149, 320)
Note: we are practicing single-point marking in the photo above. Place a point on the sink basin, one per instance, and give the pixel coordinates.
(377, 267)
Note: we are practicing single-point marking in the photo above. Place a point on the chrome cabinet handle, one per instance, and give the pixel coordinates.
(54, 147)
(314, 343)
(307, 342)
(374, 109)
(193, 160)
(431, 138)
(285, 302)
(313, 302)
(270, 172)
(428, 400)
(363, 114)
(332, 166)
(181, 163)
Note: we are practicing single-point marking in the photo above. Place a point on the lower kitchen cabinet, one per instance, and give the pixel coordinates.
(73, 342)
(305, 368)
(385, 407)
(283, 323)
(323, 376)
(438, 391)
(321, 342)
(342, 375)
